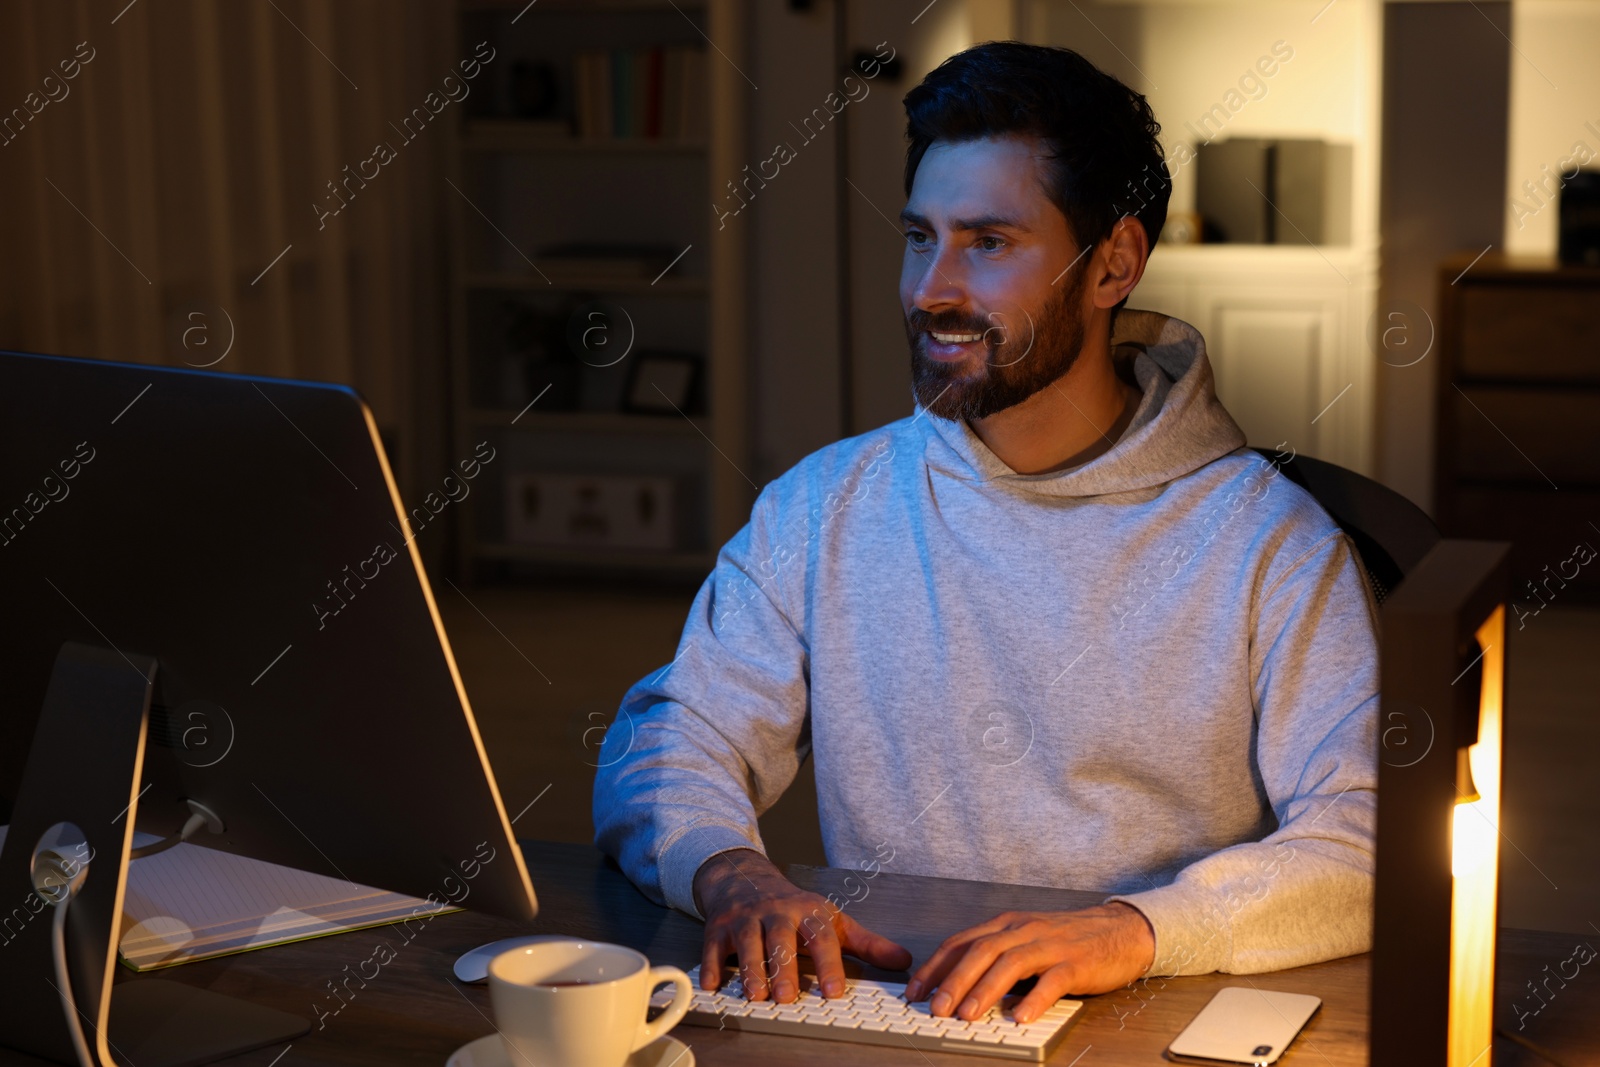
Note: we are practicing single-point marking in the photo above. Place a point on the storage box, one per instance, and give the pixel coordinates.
(1285, 191)
(591, 510)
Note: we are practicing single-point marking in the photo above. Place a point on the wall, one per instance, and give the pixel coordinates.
(794, 323)
(1186, 58)
(1555, 114)
(1444, 146)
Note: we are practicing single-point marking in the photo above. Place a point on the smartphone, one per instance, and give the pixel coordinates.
(1244, 1025)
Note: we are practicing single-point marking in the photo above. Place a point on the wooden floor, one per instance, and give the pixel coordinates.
(546, 667)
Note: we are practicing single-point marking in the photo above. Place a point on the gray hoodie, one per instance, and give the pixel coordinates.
(1153, 675)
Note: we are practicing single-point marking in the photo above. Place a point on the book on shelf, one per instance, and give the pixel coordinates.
(597, 260)
(651, 93)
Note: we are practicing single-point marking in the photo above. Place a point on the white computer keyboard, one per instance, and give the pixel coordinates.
(877, 1013)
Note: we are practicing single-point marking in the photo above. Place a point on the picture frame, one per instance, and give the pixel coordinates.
(664, 382)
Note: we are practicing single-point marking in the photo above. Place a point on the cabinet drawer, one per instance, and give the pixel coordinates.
(1557, 430)
(1543, 528)
(1549, 332)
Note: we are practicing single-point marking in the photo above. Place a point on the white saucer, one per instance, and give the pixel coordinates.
(472, 966)
(490, 1051)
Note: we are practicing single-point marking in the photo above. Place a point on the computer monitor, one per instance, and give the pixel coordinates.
(214, 598)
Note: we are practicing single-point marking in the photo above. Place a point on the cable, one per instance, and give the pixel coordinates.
(190, 828)
(60, 897)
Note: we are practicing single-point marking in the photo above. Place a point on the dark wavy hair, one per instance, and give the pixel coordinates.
(1101, 136)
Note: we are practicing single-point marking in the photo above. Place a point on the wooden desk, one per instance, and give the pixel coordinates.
(413, 1011)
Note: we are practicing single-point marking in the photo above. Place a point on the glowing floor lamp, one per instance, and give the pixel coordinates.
(1440, 733)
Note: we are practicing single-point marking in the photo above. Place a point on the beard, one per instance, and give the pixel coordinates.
(1016, 363)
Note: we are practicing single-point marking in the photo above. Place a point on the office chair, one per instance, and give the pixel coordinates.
(1390, 532)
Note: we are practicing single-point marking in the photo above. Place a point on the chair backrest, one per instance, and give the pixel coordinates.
(1390, 532)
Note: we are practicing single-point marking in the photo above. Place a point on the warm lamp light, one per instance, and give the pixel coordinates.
(1475, 859)
(1438, 848)
(1472, 839)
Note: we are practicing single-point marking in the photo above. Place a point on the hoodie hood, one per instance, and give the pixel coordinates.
(1179, 426)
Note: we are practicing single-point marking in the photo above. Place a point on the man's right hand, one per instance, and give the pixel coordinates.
(753, 912)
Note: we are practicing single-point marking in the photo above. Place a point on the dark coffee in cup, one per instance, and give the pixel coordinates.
(542, 1020)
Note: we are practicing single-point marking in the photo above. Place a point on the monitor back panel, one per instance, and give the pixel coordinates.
(246, 533)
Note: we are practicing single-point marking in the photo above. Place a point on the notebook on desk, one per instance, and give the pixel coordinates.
(192, 903)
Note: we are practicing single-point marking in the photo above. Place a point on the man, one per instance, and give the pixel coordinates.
(1056, 627)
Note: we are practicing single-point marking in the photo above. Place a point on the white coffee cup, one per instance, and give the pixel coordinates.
(570, 1002)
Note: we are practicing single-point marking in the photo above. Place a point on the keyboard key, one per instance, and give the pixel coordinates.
(1031, 1040)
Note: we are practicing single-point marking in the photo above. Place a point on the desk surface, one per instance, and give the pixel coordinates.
(414, 1012)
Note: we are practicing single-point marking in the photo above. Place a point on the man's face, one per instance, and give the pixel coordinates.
(988, 256)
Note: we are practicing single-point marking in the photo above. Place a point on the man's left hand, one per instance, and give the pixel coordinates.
(1094, 950)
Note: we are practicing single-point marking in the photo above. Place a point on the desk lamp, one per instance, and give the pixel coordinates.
(1440, 738)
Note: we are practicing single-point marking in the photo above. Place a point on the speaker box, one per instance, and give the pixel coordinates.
(1579, 243)
(1233, 188)
(1292, 191)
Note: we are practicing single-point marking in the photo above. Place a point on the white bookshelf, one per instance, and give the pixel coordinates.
(519, 187)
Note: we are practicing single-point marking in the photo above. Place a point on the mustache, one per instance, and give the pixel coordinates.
(998, 323)
(921, 321)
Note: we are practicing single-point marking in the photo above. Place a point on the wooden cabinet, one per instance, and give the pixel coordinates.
(1283, 331)
(1518, 442)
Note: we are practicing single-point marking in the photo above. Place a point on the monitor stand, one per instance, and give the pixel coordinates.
(84, 768)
